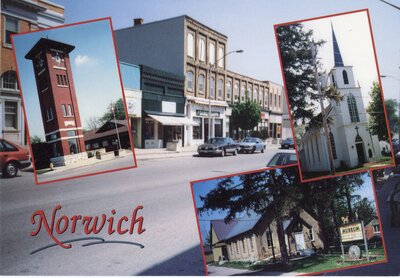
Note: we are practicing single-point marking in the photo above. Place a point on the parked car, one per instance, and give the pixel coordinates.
(12, 158)
(397, 158)
(288, 143)
(218, 146)
(283, 158)
(251, 144)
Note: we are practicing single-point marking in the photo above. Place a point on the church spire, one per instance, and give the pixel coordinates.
(336, 51)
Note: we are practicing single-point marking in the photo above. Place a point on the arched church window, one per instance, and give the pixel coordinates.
(345, 77)
(351, 102)
(333, 146)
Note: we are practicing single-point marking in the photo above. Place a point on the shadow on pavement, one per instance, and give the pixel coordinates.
(189, 262)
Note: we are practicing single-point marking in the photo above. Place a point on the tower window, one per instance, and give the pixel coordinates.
(62, 80)
(345, 77)
(353, 111)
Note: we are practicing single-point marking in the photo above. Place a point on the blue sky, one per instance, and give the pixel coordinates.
(249, 26)
(94, 69)
(202, 188)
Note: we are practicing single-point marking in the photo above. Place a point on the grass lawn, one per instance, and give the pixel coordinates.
(327, 262)
(306, 264)
(385, 161)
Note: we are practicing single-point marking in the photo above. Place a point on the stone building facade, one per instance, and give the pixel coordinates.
(19, 16)
(184, 46)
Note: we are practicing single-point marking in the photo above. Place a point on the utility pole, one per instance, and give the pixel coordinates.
(321, 101)
(115, 122)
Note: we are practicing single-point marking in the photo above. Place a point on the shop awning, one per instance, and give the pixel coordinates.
(174, 121)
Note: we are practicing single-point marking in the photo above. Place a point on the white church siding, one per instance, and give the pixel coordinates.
(353, 143)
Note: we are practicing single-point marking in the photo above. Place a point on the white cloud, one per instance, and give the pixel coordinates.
(82, 60)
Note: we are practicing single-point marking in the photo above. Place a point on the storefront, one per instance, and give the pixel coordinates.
(217, 125)
(133, 97)
(275, 126)
(163, 102)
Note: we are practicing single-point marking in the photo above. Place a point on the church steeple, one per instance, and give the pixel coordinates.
(336, 51)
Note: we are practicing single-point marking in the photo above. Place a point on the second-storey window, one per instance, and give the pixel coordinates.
(212, 53)
(11, 27)
(220, 87)
(189, 77)
(202, 80)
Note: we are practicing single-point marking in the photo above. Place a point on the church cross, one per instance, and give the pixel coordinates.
(357, 128)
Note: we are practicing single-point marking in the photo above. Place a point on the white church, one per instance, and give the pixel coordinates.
(351, 143)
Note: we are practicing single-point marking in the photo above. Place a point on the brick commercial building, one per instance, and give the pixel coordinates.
(57, 98)
(19, 16)
(186, 47)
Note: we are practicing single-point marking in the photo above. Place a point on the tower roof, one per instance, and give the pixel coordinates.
(336, 51)
(47, 43)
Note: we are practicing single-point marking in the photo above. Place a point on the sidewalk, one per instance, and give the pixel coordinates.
(149, 154)
(83, 163)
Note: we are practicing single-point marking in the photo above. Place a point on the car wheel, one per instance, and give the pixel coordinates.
(253, 150)
(235, 152)
(223, 153)
(262, 150)
(11, 169)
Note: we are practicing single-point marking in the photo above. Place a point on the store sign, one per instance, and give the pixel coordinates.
(204, 113)
(134, 106)
(351, 232)
(168, 107)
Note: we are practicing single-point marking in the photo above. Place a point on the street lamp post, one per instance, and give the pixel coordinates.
(212, 66)
(397, 79)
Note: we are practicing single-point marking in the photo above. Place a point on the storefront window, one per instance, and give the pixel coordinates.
(73, 146)
(148, 129)
(197, 129)
(218, 127)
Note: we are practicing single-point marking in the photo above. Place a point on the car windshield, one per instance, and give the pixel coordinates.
(216, 141)
(250, 140)
(283, 159)
(289, 140)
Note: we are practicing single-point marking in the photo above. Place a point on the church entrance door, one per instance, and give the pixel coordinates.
(360, 150)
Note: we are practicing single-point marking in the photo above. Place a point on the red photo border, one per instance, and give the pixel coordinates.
(282, 167)
(123, 95)
(287, 94)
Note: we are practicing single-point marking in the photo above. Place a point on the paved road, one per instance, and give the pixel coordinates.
(162, 186)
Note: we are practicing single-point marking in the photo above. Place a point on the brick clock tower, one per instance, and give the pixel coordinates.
(58, 102)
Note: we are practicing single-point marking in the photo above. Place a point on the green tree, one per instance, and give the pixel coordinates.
(119, 112)
(246, 115)
(391, 111)
(298, 68)
(273, 191)
(36, 140)
(377, 120)
(364, 208)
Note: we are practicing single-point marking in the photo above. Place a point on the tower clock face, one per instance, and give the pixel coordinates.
(57, 58)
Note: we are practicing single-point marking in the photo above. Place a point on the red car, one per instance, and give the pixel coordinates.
(12, 158)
